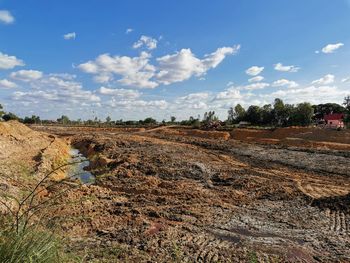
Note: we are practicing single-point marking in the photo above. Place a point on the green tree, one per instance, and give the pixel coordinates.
(108, 119)
(254, 115)
(347, 107)
(322, 109)
(302, 114)
(236, 114)
(1, 111)
(149, 120)
(64, 120)
(267, 114)
(172, 119)
(9, 116)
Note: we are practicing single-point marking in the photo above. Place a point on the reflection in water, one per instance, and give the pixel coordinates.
(77, 170)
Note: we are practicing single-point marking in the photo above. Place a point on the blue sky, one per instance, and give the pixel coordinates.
(133, 59)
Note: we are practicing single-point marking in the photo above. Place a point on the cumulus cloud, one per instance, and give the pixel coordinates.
(184, 64)
(122, 93)
(256, 79)
(285, 83)
(281, 67)
(229, 94)
(255, 70)
(9, 62)
(138, 72)
(70, 36)
(56, 89)
(331, 48)
(146, 41)
(310, 94)
(132, 104)
(135, 71)
(6, 84)
(255, 86)
(326, 80)
(6, 17)
(26, 75)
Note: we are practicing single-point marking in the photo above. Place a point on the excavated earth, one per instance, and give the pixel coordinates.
(179, 195)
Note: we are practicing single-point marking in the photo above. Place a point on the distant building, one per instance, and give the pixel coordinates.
(334, 120)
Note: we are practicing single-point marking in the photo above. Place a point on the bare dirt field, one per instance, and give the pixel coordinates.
(181, 195)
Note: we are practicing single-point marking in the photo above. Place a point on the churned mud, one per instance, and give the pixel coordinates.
(175, 195)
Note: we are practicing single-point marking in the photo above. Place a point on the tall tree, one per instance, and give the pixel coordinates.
(302, 114)
(236, 114)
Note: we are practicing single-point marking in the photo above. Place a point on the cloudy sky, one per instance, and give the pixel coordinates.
(133, 59)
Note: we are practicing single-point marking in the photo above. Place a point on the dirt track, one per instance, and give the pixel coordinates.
(162, 196)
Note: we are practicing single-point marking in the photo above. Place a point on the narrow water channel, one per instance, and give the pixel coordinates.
(77, 171)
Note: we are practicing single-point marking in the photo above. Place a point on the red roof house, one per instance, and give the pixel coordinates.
(334, 120)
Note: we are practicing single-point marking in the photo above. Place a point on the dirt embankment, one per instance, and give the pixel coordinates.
(26, 155)
(297, 136)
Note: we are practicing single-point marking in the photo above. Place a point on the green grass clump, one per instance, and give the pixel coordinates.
(28, 246)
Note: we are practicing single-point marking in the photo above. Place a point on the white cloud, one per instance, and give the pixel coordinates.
(6, 84)
(346, 80)
(146, 41)
(9, 62)
(184, 64)
(310, 94)
(326, 80)
(229, 94)
(255, 70)
(135, 71)
(27, 75)
(137, 104)
(55, 89)
(122, 93)
(256, 79)
(138, 72)
(331, 48)
(255, 86)
(6, 17)
(285, 83)
(280, 67)
(129, 30)
(69, 36)
(195, 96)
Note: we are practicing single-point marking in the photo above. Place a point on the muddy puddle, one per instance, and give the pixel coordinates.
(78, 170)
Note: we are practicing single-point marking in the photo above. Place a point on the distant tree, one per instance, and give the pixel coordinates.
(210, 117)
(172, 119)
(322, 109)
(32, 120)
(149, 120)
(63, 120)
(108, 119)
(254, 115)
(236, 114)
(302, 114)
(347, 106)
(281, 112)
(1, 111)
(267, 114)
(9, 116)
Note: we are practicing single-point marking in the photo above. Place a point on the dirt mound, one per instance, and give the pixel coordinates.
(26, 155)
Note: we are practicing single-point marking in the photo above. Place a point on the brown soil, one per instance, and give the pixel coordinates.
(179, 195)
(25, 156)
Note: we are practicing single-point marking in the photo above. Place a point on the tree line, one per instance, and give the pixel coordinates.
(277, 114)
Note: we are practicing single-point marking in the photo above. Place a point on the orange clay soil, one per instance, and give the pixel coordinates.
(169, 195)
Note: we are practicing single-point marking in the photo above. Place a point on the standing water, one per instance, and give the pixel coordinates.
(77, 170)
